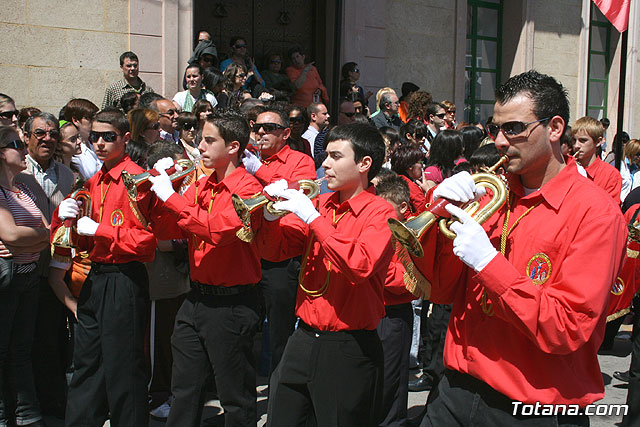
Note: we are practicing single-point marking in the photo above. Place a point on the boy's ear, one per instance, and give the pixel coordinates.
(126, 138)
(365, 164)
(599, 142)
(233, 147)
(404, 206)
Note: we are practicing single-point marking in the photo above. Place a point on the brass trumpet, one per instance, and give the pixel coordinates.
(410, 232)
(65, 236)
(245, 207)
(140, 182)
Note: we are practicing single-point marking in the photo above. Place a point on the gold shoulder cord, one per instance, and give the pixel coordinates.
(325, 286)
(487, 307)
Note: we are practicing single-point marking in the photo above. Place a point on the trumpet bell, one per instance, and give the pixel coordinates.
(66, 235)
(410, 232)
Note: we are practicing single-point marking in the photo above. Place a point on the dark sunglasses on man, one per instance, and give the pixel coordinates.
(510, 129)
(16, 144)
(8, 115)
(108, 136)
(297, 119)
(268, 127)
(441, 115)
(41, 133)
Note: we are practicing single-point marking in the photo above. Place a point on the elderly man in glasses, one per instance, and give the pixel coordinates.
(168, 119)
(388, 115)
(279, 279)
(50, 182)
(529, 303)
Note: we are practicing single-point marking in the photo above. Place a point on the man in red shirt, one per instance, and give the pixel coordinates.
(331, 369)
(110, 377)
(279, 279)
(587, 134)
(217, 322)
(527, 320)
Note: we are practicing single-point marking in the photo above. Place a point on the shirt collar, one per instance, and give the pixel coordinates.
(356, 203)
(230, 182)
(554, 191)
(125, 85)
(36, 165)
(280, 155)
(592, 169)
(116, 171)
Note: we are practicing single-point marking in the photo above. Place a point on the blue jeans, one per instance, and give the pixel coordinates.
(18, 311)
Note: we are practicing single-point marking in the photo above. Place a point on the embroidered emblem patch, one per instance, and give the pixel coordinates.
(618, 287)
(539, 268)
(117, 218)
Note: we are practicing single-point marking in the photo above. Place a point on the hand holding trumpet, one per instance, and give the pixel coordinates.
(295, 201)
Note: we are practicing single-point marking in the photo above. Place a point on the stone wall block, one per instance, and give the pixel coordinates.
(95, 51)
(155, 81)
(375, 42)
(149, 51)
(52, 88)
(14, 11)
(79, 14)
(14, 83)
(148, 15)
(116, 16)
(37, 46)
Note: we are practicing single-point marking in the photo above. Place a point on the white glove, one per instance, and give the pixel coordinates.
(471, 244)
(277, 189)
(166, 163)
(251, 162)
(458, 188)
(87, 227)
(68, 208)
(162, 186)
(298, 203)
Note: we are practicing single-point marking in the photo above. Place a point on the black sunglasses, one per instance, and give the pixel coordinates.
(155, 126)
(356, 70)
(9, 114)
(441, 115)
(15, 144)
(510, 129)
(169, 113)
(268, 127)
(297, 119)
(41, 133)
(239, 46)
(108, 136)
(188, 127)
(348, 114)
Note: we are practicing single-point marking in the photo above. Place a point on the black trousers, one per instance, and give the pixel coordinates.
(279, 286)
(462, 400)
(215, 332)
(632, 419)
(50, 351)
(395, 334)
(110, 366)
(327, 379)
(436, 334)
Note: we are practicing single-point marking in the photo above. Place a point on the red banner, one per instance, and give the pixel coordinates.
(616, 11)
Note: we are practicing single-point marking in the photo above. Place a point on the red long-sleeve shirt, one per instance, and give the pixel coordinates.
(606, 177)
(545, 299)
(207, 218)
(352, 237)
(121, 236)
(286, 164)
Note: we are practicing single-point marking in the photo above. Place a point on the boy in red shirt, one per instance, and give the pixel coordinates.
(587, 134)
(110, 374)
(331, 369)
(216, 323)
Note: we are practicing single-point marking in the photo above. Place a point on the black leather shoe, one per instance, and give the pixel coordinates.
(422, 383)
(622, 376)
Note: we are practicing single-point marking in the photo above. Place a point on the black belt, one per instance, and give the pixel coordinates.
(99, 267)
(336, 334)
(205, 289)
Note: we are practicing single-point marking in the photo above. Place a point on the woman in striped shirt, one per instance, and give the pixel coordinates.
(24, 233)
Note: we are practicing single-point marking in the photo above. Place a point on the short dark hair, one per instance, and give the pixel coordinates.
(79, 109)
(365, 141)
(404, 157)
(395, 189)
(148, 98)
(548, 95)
(234, 39)
(194, 65)
(485, 156)
(162, 149)
(115, 118)
(415, 128)
(186, 118)
(47, 117)
(128, 55)
(293, 49)
(433, 108)
(472, 136)
(232, 126)
(284, 116)
(128, 100)
(347, 68)
(211, 77)
(25, 113)
(446, 148)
